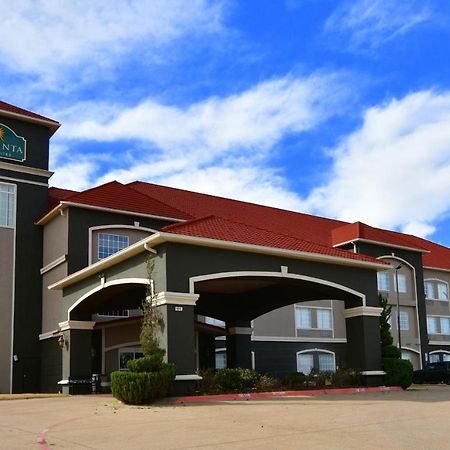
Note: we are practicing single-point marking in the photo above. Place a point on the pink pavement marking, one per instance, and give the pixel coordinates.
(306, 393)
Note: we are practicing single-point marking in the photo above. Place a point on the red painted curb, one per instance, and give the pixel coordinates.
(307, 393)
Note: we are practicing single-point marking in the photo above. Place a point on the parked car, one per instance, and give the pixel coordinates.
(437, 372)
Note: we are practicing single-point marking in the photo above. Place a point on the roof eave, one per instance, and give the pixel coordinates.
(384, 244)
(50, 124)
(162, 237)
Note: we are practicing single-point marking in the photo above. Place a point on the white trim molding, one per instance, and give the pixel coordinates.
(176, 298)
(76, 325)
(190, 377)
(240, 330)
(299, 339)
(373, 372)
(438, 343)
(49, 334)
(282, 274)
(25, 169)
(53, 264)
(370, 311)
(103, 285)
(21, 180)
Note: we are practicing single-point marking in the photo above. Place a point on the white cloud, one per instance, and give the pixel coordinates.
(48, 37)
(220, 145)
(368, 24)
(394, 171)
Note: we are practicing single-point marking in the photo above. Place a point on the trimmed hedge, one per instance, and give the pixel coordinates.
(150, 363)
(399, 372)
(235, 380)
(138, 388)
(391, 351)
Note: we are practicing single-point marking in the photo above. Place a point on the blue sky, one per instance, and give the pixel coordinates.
(336, 108)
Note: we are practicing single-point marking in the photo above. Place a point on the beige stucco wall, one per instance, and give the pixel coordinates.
(52, 310)
(55, 235)
(6, 302)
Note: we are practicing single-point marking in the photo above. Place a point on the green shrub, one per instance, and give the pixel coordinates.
(318, 379)
(150, 363)
(138, 388)
(347, 378)
(296, 380)
(399, 372)
(391, 351)
(235, 380)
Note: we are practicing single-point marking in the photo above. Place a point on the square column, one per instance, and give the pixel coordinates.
(363, 341)
(76, 343)
(178, 337)
(239, 345)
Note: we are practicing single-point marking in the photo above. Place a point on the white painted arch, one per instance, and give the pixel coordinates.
(282, 274)
(105, 284)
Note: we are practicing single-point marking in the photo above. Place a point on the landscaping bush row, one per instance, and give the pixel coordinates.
(247, 380)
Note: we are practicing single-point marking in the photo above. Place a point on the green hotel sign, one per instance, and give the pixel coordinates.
(12, 146)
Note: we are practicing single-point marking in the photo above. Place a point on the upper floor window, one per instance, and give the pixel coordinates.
(404, 320)
(432, 324)
(313, 318)
(438, 325)
(109, 244)
(383, 281)
(436, 290)
(7, 205)
(401, 282)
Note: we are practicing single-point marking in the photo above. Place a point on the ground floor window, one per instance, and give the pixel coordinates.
(438, 357)
(221, 359)
(322, 360)
(126, 354)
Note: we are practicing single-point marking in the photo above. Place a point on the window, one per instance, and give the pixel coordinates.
(434, 358)
(7, 205)
(303, 317)
(445, 357)
(432, 324)
(305, 362)
(445, 325)
(109, 244)
(324, 319)
(404, 320)
(118, 313)
(326, 362)
(215, 322)
(436, 290)
(221, 359)
(125, 354)
(408, 356)
(442, 289)
(401, 283)
(383, 281)
(315, 359)
(429, 289)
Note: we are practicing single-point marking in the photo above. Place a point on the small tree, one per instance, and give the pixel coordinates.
(148, 378)
(399, 372)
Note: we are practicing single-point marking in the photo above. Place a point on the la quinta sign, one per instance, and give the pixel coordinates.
(12, 146)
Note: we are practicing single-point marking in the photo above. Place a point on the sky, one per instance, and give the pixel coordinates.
(334, 108)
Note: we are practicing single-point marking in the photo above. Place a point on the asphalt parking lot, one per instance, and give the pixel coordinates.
(415, 419)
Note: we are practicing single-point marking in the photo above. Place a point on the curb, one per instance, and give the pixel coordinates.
(306, 393)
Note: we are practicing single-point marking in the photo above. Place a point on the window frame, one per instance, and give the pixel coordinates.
(120, 236)
(134, 350)
(310, 309)
(387, 279)
(313, 352)
(434, 284)
(11, 215)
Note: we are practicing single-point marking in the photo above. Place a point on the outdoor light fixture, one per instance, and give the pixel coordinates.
(63, 342)
(398, 306)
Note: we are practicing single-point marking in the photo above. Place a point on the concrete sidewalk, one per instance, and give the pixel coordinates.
(416, 419)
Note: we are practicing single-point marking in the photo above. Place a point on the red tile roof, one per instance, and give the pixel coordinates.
(233, 220)
(8, 108)
(359, 230)
(117, 196)
(213, 227)
(295, 224)
(56, 195)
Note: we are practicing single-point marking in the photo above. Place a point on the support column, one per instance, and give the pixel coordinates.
(76, 344)
(363, 342)
(178, 338)
(239, 344)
